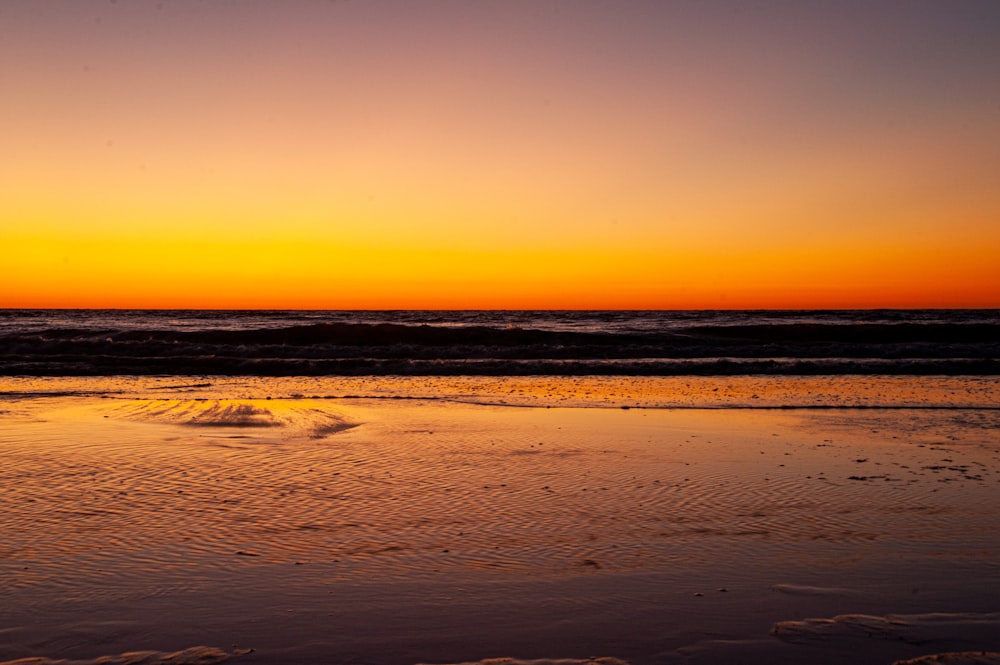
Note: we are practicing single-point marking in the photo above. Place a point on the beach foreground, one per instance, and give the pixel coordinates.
(422, 521)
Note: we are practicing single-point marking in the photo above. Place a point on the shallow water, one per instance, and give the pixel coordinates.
(388, 530)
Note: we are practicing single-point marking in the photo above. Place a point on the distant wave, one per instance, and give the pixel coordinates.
(340, 348)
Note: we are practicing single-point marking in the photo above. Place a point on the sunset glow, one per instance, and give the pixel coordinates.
(448, 154)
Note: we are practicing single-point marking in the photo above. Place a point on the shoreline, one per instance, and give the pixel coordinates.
(750, 392)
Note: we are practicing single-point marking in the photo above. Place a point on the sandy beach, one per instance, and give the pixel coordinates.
(459, 520)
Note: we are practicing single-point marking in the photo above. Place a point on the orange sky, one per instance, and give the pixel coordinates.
(494, 154)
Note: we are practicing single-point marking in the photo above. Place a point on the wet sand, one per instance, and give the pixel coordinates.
(382, 521)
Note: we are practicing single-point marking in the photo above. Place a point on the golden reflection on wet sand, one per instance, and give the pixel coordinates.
(432, 530)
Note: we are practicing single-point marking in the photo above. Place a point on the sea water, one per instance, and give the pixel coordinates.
(484, 343)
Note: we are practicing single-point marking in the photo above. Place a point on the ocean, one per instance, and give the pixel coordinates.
(38, 342)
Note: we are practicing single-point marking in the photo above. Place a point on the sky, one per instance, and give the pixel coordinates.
(499, 154)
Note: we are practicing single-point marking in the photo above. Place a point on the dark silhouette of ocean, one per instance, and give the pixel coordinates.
(493, 342)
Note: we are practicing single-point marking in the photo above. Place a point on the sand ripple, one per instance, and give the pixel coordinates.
(191, 656)
(914, 629)
(955, 658)
(162, 495)
(954, 631)
(298, 416)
